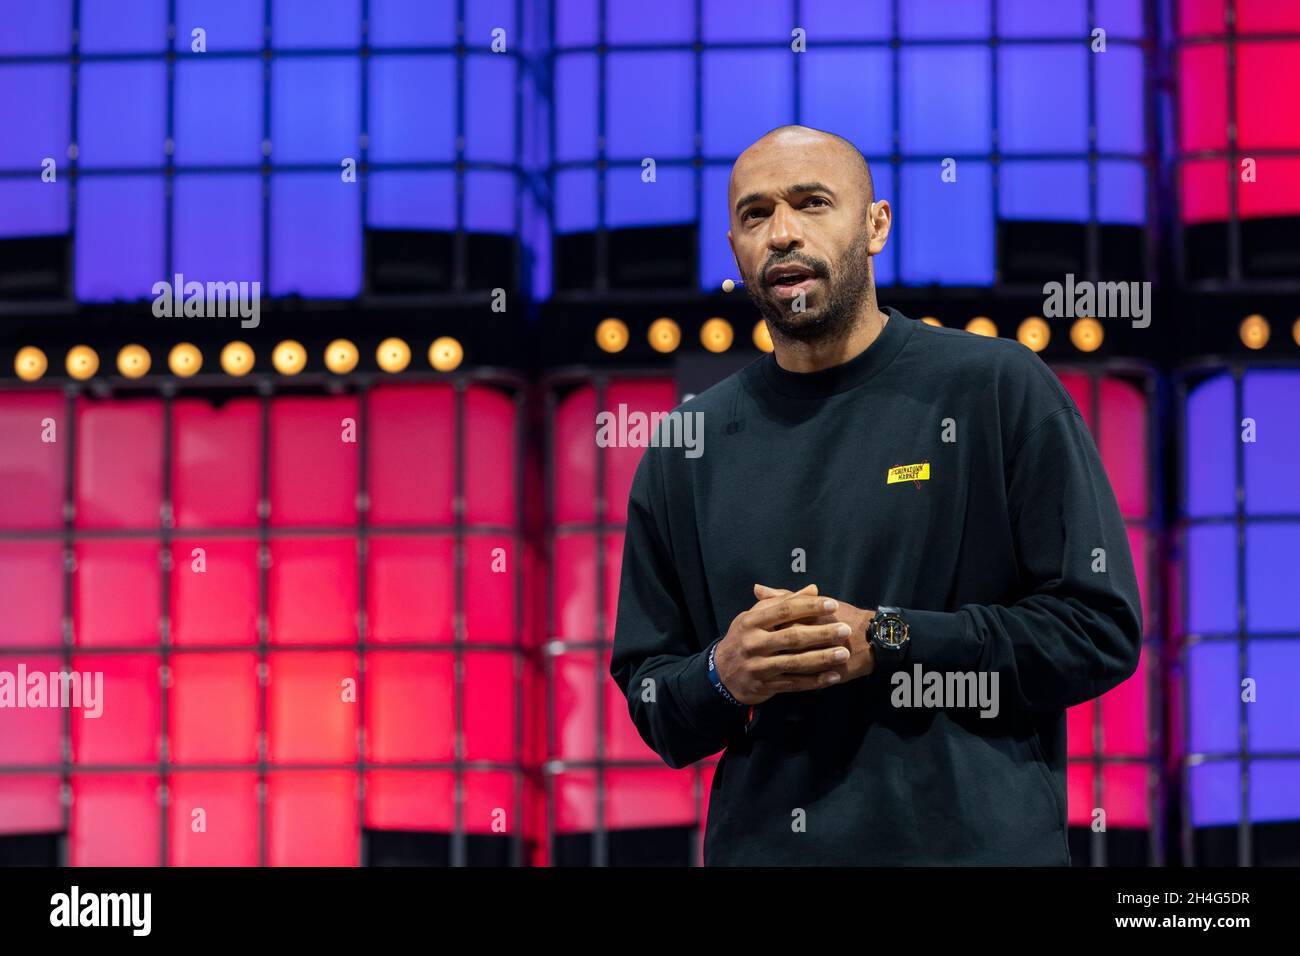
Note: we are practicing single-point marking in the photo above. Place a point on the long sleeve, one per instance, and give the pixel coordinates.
(658, 660)
(1077, 631)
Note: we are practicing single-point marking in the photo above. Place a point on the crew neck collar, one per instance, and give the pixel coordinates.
(846, 375)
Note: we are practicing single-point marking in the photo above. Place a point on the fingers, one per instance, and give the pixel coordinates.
(797, 682)
(763, 592)
(802, 637)
(786, 610)
(805, 662)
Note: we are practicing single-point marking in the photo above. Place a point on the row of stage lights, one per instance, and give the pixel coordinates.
(237, 358)
(716, 334)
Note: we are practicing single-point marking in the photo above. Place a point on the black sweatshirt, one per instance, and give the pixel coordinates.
(993, 557)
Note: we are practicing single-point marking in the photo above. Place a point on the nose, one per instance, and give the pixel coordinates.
(783, 228)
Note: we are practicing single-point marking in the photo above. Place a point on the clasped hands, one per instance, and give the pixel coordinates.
(793, 641)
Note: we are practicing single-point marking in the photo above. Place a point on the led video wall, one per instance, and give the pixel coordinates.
(1240, 720)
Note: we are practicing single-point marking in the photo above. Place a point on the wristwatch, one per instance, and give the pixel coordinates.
(888, 635)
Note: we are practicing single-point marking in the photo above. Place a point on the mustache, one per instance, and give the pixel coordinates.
(818, 267)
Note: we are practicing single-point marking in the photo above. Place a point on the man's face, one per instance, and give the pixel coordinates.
(801, 236)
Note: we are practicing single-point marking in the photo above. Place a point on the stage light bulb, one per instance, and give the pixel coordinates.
(133, 361)
(184, 360)
(664, 335)
(611, 335)
(82, 362)
(341, 356)
(1295, 331)
(1086, 334)
(1254, 331)
(931, 320)
(289, 357)
(716, 335)
(393, 355)
(1034, 333)
(30, 363)
(982, 325)
(762, 336)
(237, 358)
(445, 354)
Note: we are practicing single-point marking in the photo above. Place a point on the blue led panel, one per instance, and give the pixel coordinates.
(576, 22)
(1211, 560)
(945, 100)
(575, 107)
(575, 200)
(1121, 192)
(121, 114)
(112, 262)
(484, 16)
(1122, 19)
(847, 20)
(944, 19)
(1209, 466)
(229, 24)
(30, 207)
(631, 202)
(946, 228)
(123, 26)
(220, 248)
(650, 106)
(1274, 790)
(1043, 99)
(1120, 100)
(1272, 461)
(1214, 692)
(218, 116)
(396, 23)
(410, 199)
(315, 235)
(1033, 18)
(490, 202)
(1046, 190)
(716, 260)
(1274, 717)
(664, 21)
(412, 108)
(538, 246)
(849, 92)
(35, 124)
(1273, 576)
(490, 98)
(318, 24)
(315, 109)
(1215, 793)
(32, 28)
(745, 94)
(767, 22)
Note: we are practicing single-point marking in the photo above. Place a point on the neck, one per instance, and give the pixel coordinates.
(795, 355)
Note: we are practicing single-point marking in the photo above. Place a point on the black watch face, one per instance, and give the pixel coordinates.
(891, 631)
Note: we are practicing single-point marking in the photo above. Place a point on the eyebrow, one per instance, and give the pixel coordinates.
(748, 198)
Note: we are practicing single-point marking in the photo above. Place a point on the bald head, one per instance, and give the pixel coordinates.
(792, 138)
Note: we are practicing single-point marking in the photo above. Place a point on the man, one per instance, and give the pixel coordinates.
(941, 490)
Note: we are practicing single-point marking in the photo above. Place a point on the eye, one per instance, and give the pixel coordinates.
(746, 214)
(820, 199)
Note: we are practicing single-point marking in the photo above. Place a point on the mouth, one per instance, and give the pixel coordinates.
(787, 285)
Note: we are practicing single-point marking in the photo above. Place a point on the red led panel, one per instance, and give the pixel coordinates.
(489, 712)
(650, 396)
(311, 713)
(115, 820)
(410, 800)
(412, 454)
(1267, 118)
(573, 447)
(411, 589)
(1079, 721)
(1124, 714)
(1203, 185)
(1127, 795)
(129, 728)
(32, 470)
(1080, 798)
(574, 693)
(1203, 97)
(1267, 16)
(1201, 16)
(490, 806)
(633, 798)
(217, 463)
(213, 819)
(490, 453)
(312, 591)
(117, 592)
(212, 708)
(410, 706)
(29, 803)
(119, 463)
(31, 577)
(574, 573)
(313, 462)
(218, 604)
(1281, 195)
(30, 735)
(490, 577)
(311, 818)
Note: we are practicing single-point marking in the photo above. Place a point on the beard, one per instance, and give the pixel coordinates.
(845, 289)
